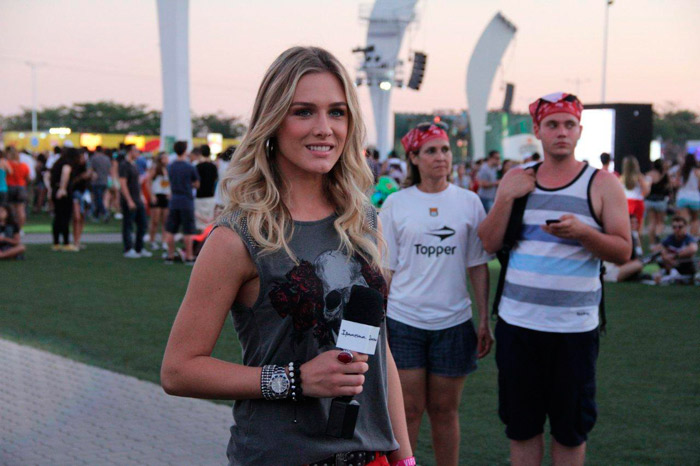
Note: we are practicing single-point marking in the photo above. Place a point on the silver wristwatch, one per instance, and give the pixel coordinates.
(274, 382)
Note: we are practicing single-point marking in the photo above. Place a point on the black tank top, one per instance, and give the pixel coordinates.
(660, 190)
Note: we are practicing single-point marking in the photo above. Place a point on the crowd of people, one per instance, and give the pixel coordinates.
(158, 194)
(665, 197)
(297, 239)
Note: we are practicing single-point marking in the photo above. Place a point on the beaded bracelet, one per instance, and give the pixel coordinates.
(295, 390)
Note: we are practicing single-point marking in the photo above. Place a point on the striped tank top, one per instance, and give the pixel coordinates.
(553, 284)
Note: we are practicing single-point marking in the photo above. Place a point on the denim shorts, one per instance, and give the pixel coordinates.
(450, 352)
(17, 194)
(688, 204)
(657, 206)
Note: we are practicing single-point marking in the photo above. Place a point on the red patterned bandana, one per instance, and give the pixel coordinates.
(559, 102)
(414, 139)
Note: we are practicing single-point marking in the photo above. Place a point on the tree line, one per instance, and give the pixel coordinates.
(112, 117)
(674, 126)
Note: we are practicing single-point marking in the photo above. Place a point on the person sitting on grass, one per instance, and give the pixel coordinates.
(677, 254)
(630, 270)
(11, 246)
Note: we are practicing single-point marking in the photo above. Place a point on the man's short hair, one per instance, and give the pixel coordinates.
(492, 153)
(605, 158)
(128, 148)
(206, 150)
(680, 219)
(180, 147)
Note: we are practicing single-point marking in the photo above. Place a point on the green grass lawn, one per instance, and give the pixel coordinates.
(41, 223)
(102, 309)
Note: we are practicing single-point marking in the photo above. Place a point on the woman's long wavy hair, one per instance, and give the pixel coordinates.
(252, 181)
(689, 164)
(630, 172)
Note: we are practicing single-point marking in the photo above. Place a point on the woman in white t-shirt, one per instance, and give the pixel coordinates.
(431, 233)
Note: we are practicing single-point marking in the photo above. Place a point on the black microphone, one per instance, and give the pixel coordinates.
(366, 307)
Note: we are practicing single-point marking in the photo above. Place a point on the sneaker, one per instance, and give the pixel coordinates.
(131, 254)
(70, 248)
(165, 245)
(146, 253)
(154, 246)
(189, 262)
(169, 260)
(57, 247)
(118, 216)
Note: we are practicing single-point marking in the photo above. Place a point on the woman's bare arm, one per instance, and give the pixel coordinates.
(188, 368)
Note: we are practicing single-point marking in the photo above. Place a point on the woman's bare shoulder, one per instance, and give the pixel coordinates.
(225, 252)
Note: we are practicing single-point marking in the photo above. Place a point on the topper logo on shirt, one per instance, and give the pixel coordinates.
(443, 233)
(433, 211)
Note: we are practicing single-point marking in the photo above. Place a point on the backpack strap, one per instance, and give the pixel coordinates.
(510, 239)
(601, 307)
(515, 223)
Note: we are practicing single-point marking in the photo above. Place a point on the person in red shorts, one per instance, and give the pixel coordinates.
(636, 189)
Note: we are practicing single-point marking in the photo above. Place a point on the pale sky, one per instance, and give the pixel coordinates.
(108, 50)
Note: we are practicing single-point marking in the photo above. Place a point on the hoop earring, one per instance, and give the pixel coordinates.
(269, 148)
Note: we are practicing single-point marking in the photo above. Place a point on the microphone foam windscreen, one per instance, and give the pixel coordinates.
(365, 306)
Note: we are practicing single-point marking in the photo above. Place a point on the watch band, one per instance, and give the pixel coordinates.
(266, 376)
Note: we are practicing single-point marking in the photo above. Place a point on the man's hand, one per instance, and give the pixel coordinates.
(131, 205)
(669, 257)
(517, 183)
(568, 227)
(484, 339)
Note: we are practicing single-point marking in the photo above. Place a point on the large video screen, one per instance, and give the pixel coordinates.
(598, 135)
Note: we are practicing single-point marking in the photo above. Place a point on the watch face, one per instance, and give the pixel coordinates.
(279, 384)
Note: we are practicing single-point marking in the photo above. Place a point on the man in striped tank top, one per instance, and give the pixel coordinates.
(547, 332)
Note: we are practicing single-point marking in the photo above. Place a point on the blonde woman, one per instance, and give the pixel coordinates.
(296, 236)
(636, 189)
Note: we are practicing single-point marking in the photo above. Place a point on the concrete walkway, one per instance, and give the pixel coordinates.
(57, 411)
(46, 238)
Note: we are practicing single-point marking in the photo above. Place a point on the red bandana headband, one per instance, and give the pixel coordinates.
(559, 102)
(414, 139)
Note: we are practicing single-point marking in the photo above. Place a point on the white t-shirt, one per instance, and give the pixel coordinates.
(432, 239)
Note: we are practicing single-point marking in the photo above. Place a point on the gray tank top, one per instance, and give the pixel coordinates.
(290, 321)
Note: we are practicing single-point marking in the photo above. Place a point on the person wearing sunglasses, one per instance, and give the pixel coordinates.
(547, 332)
(677, 254)
(430, 229)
